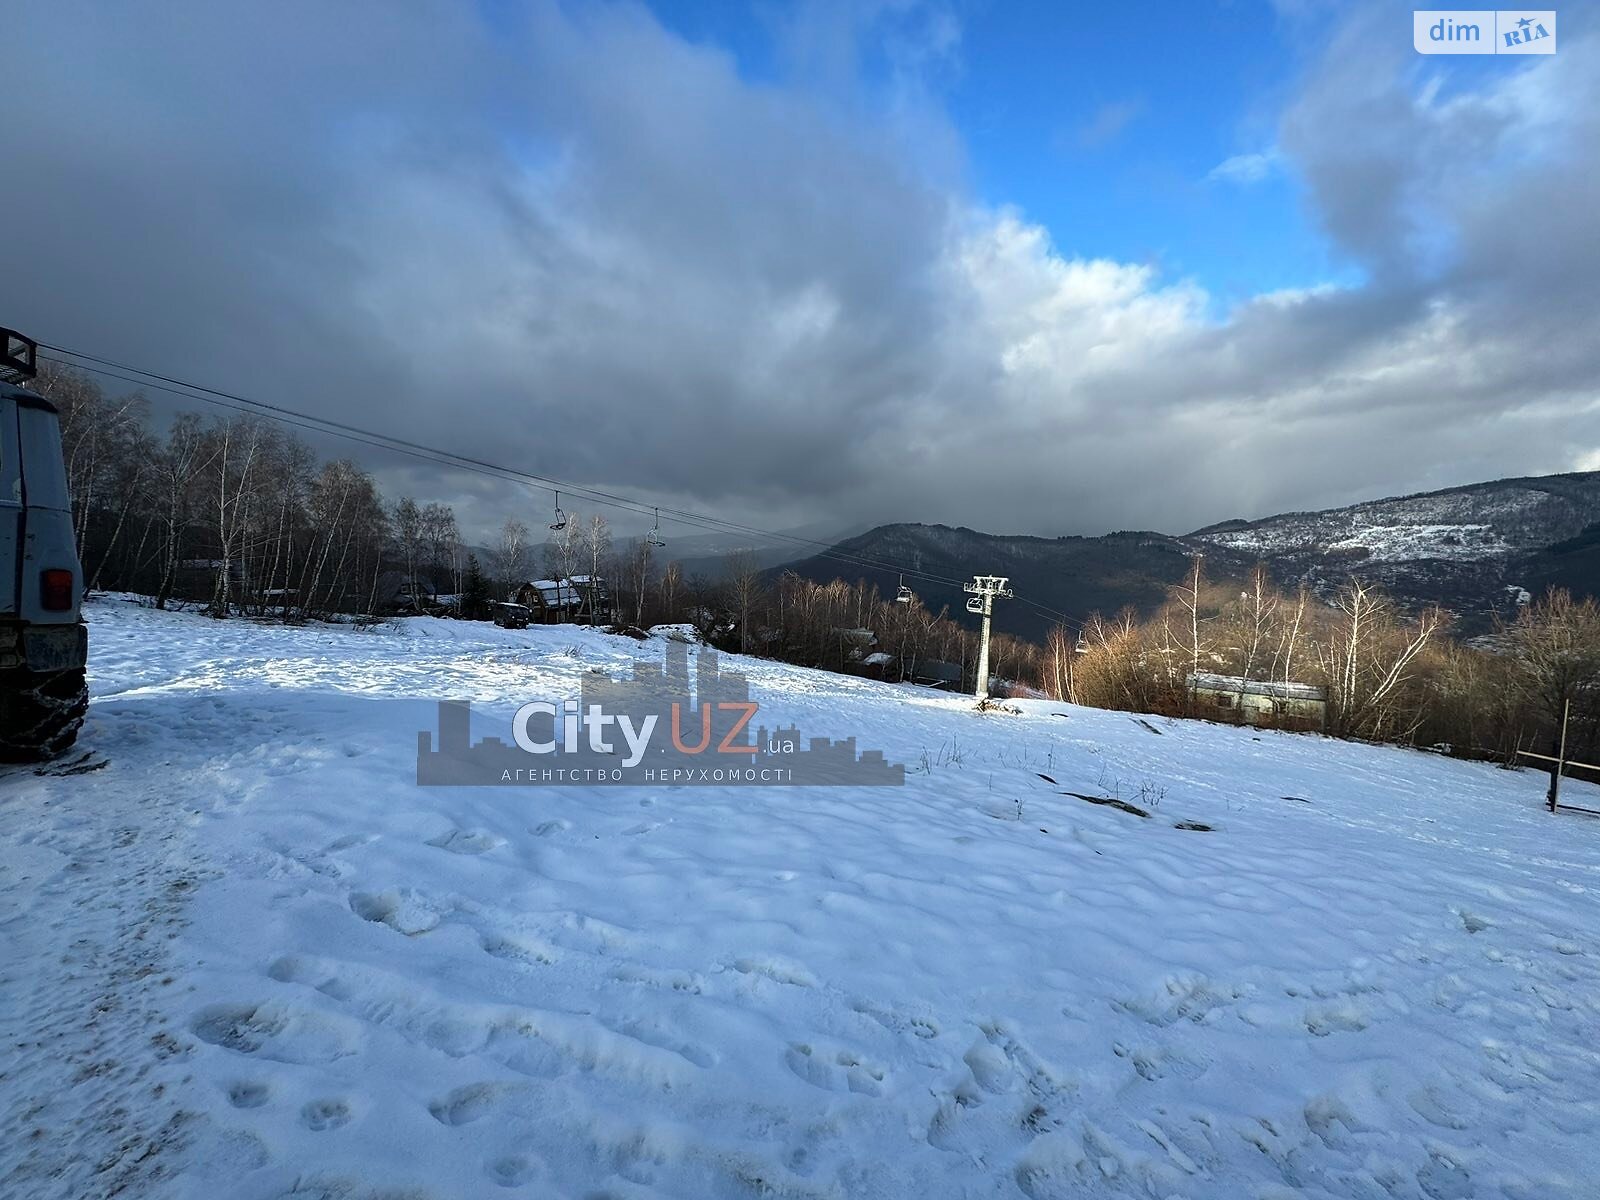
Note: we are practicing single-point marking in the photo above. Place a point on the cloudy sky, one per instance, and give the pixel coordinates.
(1045, 269)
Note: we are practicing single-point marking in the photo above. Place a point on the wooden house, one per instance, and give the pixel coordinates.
(557, 601)
(1259, 701)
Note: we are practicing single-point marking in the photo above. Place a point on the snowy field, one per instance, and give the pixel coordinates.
(250, 958)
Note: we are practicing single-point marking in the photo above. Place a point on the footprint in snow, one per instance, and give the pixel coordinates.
(677, 981)
(990, 1067)
(513, 1170)
(518, 947)
(1193, 998)
(467, 1104)
(1471, 922)
(836, 1071)
(1154, 1062)
(897, 1022)
(326, 980)
(1444, 1107)
(663, 1036)
(776, 969)
(401, 909)
(321, 1115)
(282, 1033)
(1039, 1120)
(462, 841)
(248, 1094)
(234, 1152)
(1335, 1018)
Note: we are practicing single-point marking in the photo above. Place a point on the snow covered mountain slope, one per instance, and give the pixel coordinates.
(1482, 520)
(1475, 550)
(250, 957)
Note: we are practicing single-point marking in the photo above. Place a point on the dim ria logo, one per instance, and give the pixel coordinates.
(1484, 31)
(648, 729)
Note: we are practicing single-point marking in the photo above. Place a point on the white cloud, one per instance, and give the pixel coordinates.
(1246, 168)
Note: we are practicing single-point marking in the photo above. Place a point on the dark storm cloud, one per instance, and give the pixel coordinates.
(570, 241)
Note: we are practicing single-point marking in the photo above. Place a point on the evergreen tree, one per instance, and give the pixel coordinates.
(475, 594)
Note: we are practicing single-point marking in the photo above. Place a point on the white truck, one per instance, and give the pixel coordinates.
(44, 646)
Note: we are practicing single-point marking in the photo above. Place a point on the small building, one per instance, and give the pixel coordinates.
(1259, 701)
(857, 643)
(576, 598)
(196, 578)
(392, 595)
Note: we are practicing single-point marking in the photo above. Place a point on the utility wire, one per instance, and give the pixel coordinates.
(450, 458)
(379, 440)
(140, 377)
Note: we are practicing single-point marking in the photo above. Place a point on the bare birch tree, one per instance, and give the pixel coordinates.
(511, 556)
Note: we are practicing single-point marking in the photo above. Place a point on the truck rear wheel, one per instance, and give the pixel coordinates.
(40, 713)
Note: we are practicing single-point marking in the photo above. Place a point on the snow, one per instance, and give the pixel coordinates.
(1472, 524)
(251, 958)
(1379, 542)
(682, 632)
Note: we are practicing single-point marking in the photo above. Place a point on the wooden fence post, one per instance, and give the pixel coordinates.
(1561, 757)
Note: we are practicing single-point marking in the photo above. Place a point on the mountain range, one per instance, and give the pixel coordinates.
(1478, 550)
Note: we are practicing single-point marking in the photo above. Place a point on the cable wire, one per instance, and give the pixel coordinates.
(140, 377)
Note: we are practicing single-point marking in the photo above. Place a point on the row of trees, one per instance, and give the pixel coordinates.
(1387, 675)
(237, 513)
(1359, 648)
(837, 625)
(235, 510)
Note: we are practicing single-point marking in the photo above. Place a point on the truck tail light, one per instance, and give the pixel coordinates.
(55, 590)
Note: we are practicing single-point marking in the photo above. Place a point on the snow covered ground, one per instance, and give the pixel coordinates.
(251, 958)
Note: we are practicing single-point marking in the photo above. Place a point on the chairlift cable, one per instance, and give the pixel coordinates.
(460, 462)
(700, 520)
(447, 458)
(140, 377)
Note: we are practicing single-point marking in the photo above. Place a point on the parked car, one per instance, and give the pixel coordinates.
(44, 646)
(512, 616)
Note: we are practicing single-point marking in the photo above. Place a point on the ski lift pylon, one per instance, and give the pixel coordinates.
(560, 522)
